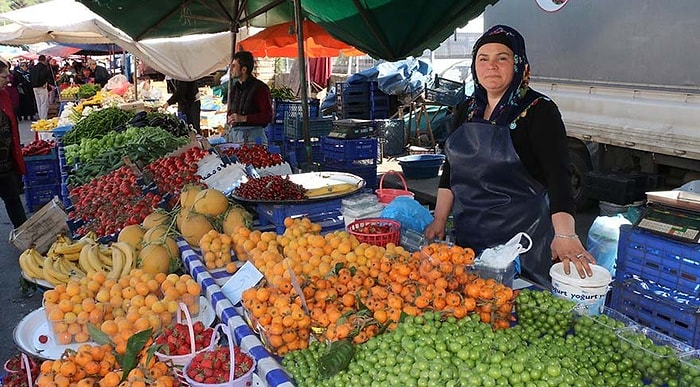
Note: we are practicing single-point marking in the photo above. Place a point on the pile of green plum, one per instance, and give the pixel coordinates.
(690, 370)
(548, 348)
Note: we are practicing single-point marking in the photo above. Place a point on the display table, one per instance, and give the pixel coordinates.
(268, 369)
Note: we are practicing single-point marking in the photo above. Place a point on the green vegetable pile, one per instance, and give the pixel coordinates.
(97, 124)
(282, 92)
(87, 90)
(149, 144)
(89, 148)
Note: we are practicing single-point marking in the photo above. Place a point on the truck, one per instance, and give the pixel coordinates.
(625, 75)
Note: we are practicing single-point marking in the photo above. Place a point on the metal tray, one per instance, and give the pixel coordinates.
(312, 180)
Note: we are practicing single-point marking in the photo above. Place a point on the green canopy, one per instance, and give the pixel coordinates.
(385, 29)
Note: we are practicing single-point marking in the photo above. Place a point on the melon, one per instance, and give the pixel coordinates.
(187, 195)
(155, 258)
(132, 235)
(194, 226)
(210, 202)
(236, 216)
(155, 218)
(181, 216)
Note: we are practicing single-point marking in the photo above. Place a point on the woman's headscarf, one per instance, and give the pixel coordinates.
(516, 98)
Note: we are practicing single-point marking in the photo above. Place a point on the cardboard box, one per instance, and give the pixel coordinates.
(41, 228)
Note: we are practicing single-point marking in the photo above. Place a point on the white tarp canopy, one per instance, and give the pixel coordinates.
(67, 21)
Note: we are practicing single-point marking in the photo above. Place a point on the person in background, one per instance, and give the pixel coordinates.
(84, 77)
(147, 91)
(186, 96)
(40, 77)
(27, 105)
(100, 73)
(507, 168)
(11, 161)
(250, 108)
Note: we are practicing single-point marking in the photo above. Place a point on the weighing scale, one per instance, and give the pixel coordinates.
(352, 128)
(672, 214)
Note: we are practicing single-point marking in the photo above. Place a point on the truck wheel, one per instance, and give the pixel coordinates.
(579, 167)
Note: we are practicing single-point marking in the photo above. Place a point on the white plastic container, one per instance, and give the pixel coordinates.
(352, 214)
(359, 201)
(589, 293)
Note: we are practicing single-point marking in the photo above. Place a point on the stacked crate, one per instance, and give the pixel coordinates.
(63, 167)
(294, 147)
(657, 283)
(357, 156)
(362, 101)
(42, 181)
(283, 109)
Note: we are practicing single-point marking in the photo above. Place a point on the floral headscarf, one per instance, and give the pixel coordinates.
(516, 98)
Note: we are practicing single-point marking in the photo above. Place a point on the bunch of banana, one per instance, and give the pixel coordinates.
(44, 125)
(60, 270)
(63, 247)
(116, 260)
(31, 262)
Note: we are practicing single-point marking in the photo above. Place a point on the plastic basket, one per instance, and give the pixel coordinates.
(446, 92)
(284, 109)
(386, 195)
(318, 127)
(667, 262)
(244, 380)
(351, 149)
(357, 227)
(181, 360)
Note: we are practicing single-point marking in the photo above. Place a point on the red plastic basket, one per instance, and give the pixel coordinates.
(358, 229)
(386, 195)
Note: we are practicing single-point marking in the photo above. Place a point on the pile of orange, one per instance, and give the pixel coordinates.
(353, 289)
(120, 308)
(93, 365)
(216, 251)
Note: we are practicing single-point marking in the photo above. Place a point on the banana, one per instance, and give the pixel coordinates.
(83, 261)
(70, 248)
(52, 275)
(128, 253)
(93, 258)
(104, 253)
(29, 266)
(71, 268)
(330, 189)
(118, 261)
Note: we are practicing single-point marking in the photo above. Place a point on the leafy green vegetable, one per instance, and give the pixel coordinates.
(97, 124)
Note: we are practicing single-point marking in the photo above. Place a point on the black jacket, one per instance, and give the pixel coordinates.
(39, 75)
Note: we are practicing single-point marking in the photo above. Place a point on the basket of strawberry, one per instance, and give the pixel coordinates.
(21, 370)
(222, 366)
(181, 341)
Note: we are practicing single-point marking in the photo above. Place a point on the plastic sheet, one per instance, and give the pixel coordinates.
(409, 213)
(603, 237)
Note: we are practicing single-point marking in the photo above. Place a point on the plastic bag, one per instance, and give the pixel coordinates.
(409, 213)
(501, 256)
(603, 238)
(118, 84)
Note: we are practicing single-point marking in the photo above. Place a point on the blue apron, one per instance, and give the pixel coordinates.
(495, 197)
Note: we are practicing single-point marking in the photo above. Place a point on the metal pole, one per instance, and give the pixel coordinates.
(302, 78)
(234, 31)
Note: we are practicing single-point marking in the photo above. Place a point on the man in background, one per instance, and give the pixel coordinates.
(40, 76)
(100, 73)
(250, 108)
(186, 96)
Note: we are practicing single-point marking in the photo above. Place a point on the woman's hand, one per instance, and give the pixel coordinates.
(570, 250)
(436, 229)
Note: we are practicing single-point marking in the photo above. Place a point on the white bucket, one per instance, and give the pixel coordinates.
(589, 293)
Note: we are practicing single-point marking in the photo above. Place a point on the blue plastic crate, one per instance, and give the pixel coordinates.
(365, 113)
(284, 109)
(37, 196)
(352, 149)
(276, 213)
(41, 178)
(671, 313)
(651, 257)
(35, 165)
(275, 132)
(367, 172)
(318, 127)
(295, 152)
(49, 156)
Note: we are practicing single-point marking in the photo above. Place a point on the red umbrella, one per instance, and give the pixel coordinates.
(280, 41)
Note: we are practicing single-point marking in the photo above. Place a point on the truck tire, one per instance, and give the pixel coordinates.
(579, 167)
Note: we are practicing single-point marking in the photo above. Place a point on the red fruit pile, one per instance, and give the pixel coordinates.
(111, 202)
(273, 187)
(375, 229)
(17, 376)
(175, 340)
(172, 173)
(213, 367)
(255, 155)
(38, 148)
